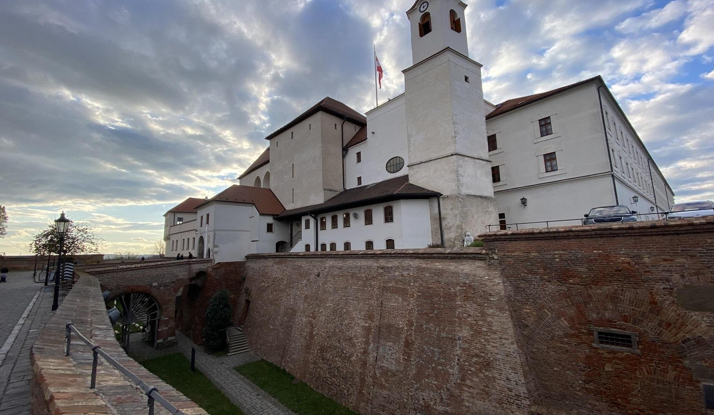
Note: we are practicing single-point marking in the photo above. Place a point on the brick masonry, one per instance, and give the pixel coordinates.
(644, 279)
(60, 384)
(389, 332)
(27, 263)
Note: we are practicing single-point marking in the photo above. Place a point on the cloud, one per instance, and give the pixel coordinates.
(654, 19)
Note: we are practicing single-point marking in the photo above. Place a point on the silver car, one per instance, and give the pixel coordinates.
(691, 210)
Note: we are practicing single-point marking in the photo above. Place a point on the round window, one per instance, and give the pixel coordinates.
(395, 164)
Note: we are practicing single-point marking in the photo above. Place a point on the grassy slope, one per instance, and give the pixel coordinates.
(175, 370)
(300, 398)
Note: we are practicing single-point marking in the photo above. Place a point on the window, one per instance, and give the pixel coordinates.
(551, 162)
(629, 174)
(496, 174)
(369, 245)
(346, 220)
(492, 142)
(359, 181)
(395, 164)
(368, 217)
(390, 243)
(466, 78)
(615, 339)
(309, 127)
(291, 135)
(208, 218)
(388, 214)
(193, 243)
(293, 195)
(502, 224)
(179, 221)
(334, 221)
(455, 21)
(425, 25)
(607, 119)
(621, 163)
(201, 220)
(323, 223)
(270, 228)
(307, 224)
(348, 246)
(323, 247)
(546, 128)
(335, 126)
(359, 157)
(333, 246)
(307, 247)
(614, 160)
(293, 167)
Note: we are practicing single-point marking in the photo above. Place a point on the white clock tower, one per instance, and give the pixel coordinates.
(446, 124)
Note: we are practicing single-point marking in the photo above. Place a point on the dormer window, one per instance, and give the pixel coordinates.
(425, 25)
(455, 21)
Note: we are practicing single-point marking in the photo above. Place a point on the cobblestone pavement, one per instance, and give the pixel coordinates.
(242, 392)
(15, 295)
(15, 371)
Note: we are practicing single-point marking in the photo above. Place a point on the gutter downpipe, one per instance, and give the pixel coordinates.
(441, 224)
(344, 153)
(654, 191)
(607, 144)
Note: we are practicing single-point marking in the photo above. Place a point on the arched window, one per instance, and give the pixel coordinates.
(333, 246)
(346, 220)
(390, 243)
(388, 214)
(334, 221)
(348, 246)
(266, 181)
(455, 21)
(257, 182)
(323, 223)
(307, 247)
(369, 245)
(425, 25)
(368, 217)
(323, 247)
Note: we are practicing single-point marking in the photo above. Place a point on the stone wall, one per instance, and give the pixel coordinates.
(655, 280)
(27, 263)
(389, 332)
(60, 384)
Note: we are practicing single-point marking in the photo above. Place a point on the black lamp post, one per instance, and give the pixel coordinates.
(61, 224)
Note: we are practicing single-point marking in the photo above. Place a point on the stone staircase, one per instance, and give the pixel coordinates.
(237, 342)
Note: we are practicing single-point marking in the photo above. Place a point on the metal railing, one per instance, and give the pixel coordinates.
(151, 392)
(641, 217)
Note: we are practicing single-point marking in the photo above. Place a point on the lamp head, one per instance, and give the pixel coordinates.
(62, 224)
(524, 201)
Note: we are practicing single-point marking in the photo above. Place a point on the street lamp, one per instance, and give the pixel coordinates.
(61, 225)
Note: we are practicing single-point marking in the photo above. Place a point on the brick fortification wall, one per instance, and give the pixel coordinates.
(654, 280)
(389, 332)
(60, 384)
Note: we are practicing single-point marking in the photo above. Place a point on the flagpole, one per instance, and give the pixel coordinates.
(374, 62)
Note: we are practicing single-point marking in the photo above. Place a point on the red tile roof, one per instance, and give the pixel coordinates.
(329, 106)
(264, 200)
(515, 103)
(360, 137)
(392, 189)
(187, 206)
(261, 161)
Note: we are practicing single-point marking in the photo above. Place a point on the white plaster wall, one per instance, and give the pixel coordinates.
(249, 180)
(386, 138)
(332, 147)
(411, 227)
(555, 201)
(170, 221)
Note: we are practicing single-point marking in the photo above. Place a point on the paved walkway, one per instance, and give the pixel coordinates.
(15, 295)
(242, 392)
(15, 370)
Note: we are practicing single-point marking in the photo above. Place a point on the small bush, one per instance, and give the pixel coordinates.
(216, 321)
(435, 246)
(476, 244)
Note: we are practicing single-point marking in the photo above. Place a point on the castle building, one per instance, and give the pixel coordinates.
(430, 166)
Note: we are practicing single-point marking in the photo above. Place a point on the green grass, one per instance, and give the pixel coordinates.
(300, 398)
(175, 370)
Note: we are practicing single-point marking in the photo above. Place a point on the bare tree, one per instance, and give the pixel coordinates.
(79, 239)
(126, 256)
(160, 248)
(3, 221)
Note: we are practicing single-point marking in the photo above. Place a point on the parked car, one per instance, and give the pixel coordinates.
(691, 210)
(610, 214)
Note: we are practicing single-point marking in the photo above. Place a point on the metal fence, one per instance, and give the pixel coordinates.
(641, 217)
(151, 392)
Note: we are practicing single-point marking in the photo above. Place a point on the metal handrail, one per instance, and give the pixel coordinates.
(151, 392)
(661, 215)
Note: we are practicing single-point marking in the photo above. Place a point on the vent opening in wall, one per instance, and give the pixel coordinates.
(615, 339)
(466, 78)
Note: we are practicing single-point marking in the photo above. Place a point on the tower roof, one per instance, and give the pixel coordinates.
(261, 161)
(328, 105)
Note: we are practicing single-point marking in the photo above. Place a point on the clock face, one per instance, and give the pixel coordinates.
(423, 6)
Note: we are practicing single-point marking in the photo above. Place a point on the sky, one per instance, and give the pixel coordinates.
(115, 111)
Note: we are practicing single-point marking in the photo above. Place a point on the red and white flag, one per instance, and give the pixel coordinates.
(379, 71)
